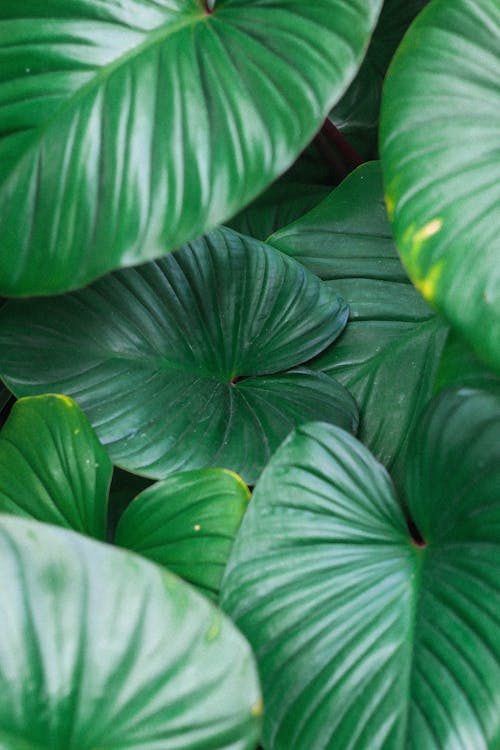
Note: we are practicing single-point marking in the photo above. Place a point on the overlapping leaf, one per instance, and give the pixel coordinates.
(102, 649)
(366, 639)
(155, 356)
(130, 127)
(187, 523)
(389, 353)
(52, 466)
(440, 139)
(53, 469)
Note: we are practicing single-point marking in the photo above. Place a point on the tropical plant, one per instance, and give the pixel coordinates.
(251, 347)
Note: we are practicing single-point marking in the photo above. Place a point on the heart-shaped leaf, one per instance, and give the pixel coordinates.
(101, 649)
(187, 523)
(128, 128)
(53, 469)
(389, 353)
(154, 356)
(52, 466)
(364, 637)
(440, 139)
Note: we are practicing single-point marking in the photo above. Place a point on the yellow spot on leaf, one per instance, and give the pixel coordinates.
(197, 527)
(67, 401)
(257, 708)
(214, 630)
(427, 284)
(428, 230)
(239, 480)
(389, 202)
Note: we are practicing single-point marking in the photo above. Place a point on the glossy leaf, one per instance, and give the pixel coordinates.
(101, 649)
(131, 127)
(389, 353)
(440, 137)
(187, 523)
(364, 638)
(154, 356)
(52, 466)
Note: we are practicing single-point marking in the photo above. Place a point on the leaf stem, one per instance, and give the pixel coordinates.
(208, 4)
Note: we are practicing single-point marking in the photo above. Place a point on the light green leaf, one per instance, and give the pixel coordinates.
(101, 649)
(130, 127)
(52, 466)
(389, 353)
(366, 638)
(440, 137)
(187, 523)
(155, 356)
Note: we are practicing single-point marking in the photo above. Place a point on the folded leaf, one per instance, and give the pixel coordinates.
(52, 466)
(187, 523)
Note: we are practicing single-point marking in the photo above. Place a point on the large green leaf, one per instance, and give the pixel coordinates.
(366, 638)
(187, 523)
(389, 352)
(52, 466)
(154, 356)
(101, 649)
(129, 127)
(440, 139)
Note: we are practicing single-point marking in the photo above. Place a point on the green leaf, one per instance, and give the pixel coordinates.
(52, 467)
(128, 128)
(459, 366)
(154, 356)
(357, 113)
(440, 137)
(364, 638)
(389, 353)
(5, 396)
(283, 203)
(187, 523)
(101, 649)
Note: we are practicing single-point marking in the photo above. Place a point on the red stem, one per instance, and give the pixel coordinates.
(349, 154)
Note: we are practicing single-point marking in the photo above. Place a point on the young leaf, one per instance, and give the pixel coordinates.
(389, 353)
(52, 466)
(101, 649)
(154, 356)
(129, 127)
(187, 523)
(364, 637)
(440, 137)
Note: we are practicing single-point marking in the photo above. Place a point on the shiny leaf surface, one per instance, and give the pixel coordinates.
(389, 353)
(187, 523)
(364, 638)
(101, 649)
(130, 127)
(440, 138)
(52, 466)
(154, 356)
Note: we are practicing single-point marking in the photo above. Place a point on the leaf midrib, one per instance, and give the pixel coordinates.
(152, 38)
